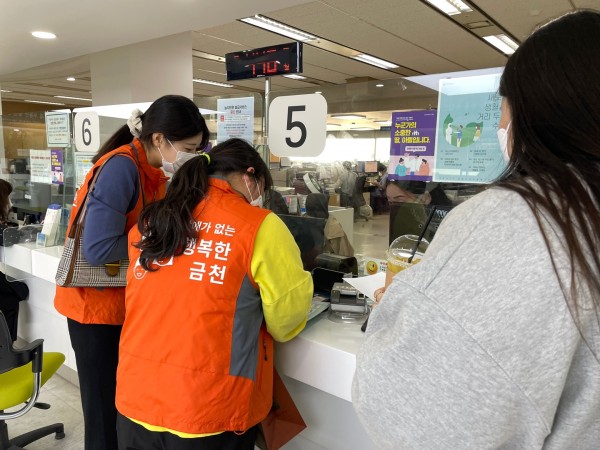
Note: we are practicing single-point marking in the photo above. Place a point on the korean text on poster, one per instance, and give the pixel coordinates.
(40, 166)
(56, 163)
(412, 145)
(467, 148)
(235, 119)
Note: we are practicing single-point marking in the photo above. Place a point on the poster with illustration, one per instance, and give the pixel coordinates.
(412, 145)
(56, 163)
(467, 148)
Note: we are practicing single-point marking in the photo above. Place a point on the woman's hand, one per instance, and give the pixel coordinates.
(377, 295)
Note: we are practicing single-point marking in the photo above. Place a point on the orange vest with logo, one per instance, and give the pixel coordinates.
(107, 305)
(195, 356)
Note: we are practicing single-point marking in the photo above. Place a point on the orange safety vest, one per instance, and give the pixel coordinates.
(107, 305)
(195, 356)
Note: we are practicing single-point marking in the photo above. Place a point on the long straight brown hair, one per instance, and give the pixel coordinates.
(552, 86)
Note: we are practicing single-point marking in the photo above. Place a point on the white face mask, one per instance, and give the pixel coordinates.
(503, 140)
(258, 202)
(180, 160)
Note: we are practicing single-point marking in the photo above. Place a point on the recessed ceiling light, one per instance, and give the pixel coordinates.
(73, 98)
(383, 122)
(4, 90)
(503, 43)
(44, 103)
(71, 79)
(348, 116)
(43, 35)
(214, 83)
(450, 7)
(379, 85)
(16, 129)
(295, 77)
(279, 28)
(318, 92)
(374, 61)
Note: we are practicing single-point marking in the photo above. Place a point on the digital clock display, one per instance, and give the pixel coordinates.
(264, 62)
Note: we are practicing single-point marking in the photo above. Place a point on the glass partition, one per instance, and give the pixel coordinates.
(386, 134)
(374, 130)
(36, 159)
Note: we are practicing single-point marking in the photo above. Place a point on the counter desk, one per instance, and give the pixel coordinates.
(317, 366)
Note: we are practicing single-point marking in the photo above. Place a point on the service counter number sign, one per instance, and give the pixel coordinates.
(297, 125)
(87, 131)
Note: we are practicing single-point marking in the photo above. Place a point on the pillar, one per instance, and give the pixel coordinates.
(144, 71)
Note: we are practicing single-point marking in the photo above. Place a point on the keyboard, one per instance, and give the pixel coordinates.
(317, 308)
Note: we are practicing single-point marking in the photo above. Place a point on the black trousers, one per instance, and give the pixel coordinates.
(96, 352)
(135, 437)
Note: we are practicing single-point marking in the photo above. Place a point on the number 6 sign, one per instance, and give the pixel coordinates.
(87, 131)
(298, 125)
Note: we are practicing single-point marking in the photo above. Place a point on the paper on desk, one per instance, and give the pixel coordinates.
(367, 285)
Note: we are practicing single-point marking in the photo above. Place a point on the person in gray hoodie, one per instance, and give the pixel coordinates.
(492, 341)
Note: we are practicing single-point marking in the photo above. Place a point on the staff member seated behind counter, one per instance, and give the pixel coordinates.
(410, 204)
(336, 240)
(214, 278)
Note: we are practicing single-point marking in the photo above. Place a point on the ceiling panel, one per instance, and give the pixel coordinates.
(521, 17)
(407, 32)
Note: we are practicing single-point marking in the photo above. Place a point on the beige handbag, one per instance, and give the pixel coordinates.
(73, 269)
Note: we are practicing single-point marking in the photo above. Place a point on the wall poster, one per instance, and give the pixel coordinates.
(467, 148)
(235, 119)
(412, 145)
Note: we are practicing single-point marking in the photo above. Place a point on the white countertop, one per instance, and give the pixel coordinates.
(323, 355)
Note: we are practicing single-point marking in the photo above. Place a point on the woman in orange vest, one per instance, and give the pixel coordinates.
(213, 279)
(165, 135)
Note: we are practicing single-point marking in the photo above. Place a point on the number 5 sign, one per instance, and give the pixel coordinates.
(87, 131)
(298, 125)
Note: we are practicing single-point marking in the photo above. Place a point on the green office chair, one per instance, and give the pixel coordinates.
(23, 371)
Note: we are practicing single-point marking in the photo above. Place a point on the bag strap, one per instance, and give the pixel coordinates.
(140, 172)
(80, 216)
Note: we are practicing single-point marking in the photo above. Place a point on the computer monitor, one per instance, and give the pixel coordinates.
(309, 234)
(371, 166)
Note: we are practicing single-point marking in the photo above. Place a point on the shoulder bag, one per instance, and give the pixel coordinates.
(73, 269)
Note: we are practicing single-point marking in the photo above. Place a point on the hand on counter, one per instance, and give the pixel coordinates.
(378, 295)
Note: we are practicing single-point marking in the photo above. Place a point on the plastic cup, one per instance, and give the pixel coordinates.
(399, 253)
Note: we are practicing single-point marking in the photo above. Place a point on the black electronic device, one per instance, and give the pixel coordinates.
(324, 279)
(280, 59)
(338, 263)
(309, 234)
(347, 299)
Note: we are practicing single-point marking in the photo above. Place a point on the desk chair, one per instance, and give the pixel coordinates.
(358, 199)
(23, 371)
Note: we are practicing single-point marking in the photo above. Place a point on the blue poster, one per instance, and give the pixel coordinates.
(412, 145)
(467, 148)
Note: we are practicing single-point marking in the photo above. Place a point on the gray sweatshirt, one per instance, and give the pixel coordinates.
(475, 347)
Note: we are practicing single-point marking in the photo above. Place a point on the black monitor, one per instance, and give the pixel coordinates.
(309, 234)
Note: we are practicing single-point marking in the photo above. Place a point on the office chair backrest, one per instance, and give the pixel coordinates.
(360, 184)
(10, 358)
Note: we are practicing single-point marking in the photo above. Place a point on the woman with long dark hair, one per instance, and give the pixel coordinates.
(166, 135)
(11, 292)
(213, 279)
(493, 339)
